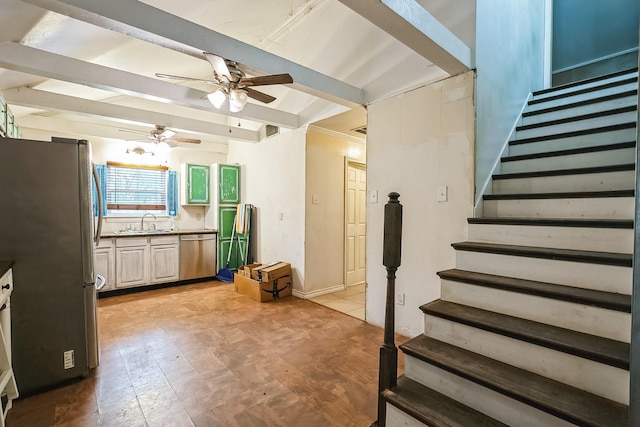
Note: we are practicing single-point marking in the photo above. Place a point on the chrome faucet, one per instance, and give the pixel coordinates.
(142, 220)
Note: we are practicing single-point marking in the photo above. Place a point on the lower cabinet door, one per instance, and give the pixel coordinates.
(165, 263)
(104, 265)
(133, 266)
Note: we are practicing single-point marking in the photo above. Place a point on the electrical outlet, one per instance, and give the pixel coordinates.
(69, 359)
(400, 298)
(198, 216)
(281, 216)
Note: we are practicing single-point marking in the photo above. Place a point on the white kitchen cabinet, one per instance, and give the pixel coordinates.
(8, 388)
(104, 263)
(132, 259)
(165, 262)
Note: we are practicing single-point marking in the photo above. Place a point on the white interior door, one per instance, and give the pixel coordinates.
(355, 217)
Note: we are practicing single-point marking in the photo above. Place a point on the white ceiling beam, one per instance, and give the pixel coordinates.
(411, 24)
(154, 25)
(33, 98)
(17, 57)
(57, 126)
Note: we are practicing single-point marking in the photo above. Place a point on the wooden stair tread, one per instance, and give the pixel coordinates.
(558, 153)
(592, 257)
(435, 409)
(582, 132)
(598, 349)
(564, 172)
(602, 299)
(564, 195)
(586, 81)
(582, 91)
(556, 222)
(561, 400)
(581, 117)
(581, 103)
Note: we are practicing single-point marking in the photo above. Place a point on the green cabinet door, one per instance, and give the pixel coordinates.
(197, 182)
(229, 182)
(238, 246)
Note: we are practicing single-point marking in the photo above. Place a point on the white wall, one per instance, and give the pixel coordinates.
(510, 64)
(416, 142)
(273, 179)
(324, 243)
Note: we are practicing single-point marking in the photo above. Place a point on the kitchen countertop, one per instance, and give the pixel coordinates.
(5, 265)
(156, 233)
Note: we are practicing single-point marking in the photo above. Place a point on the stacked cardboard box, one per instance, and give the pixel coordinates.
(264, 282)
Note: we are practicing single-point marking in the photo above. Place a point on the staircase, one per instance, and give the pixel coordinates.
(533, 324)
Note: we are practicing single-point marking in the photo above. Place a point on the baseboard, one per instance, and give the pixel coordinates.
(309, 295)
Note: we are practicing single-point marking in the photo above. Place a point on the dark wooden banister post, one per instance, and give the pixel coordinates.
(388, 371)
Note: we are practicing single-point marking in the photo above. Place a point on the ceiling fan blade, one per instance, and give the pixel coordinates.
(259, 96)
(187, 140)
(273, 79)
(218, 64)
(166, 134)
(170, 76)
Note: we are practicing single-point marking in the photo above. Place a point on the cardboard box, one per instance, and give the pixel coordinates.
(246, 270)
(263, 291)
(271, 271)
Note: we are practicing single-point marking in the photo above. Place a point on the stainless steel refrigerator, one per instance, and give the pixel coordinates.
(47, 228)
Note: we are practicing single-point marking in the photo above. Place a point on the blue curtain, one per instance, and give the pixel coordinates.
(172, 193)
(102, 177)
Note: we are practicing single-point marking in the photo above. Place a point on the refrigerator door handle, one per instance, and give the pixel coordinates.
(96, 238)
(102, 281)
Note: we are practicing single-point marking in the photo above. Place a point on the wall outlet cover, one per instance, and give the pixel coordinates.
(69, 359)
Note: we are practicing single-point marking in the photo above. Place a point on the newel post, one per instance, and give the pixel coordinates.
(388, 372)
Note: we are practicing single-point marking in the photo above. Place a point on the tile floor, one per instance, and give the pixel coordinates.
(350, 301)
(203, 355)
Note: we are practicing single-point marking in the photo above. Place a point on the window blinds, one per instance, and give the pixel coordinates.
(136, 188)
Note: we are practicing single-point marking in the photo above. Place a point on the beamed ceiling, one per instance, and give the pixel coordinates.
(87, 67)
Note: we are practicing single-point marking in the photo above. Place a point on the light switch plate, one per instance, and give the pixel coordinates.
(442, 193)
(373, 196)
(315, 199)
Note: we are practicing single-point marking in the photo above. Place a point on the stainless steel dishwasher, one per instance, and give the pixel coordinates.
(197, 256)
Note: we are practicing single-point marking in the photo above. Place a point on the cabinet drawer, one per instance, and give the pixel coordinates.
(164, 240)
(105, 242)
(124, 242)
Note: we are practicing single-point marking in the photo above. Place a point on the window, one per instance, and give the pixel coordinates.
(131, 189)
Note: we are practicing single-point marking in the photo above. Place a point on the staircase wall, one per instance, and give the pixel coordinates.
(510, 64)
(416, 142)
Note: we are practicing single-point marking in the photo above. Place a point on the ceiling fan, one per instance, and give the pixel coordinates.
(162, 134)
(231, 83)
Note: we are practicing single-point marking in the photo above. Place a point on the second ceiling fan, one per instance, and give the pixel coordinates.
(232, 84)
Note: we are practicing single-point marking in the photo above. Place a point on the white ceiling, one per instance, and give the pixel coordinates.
(93, 74)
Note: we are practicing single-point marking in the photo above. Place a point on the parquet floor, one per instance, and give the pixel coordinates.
(203, 355)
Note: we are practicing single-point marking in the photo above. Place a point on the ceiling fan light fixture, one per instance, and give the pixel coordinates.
(237, 100)
(217, 98)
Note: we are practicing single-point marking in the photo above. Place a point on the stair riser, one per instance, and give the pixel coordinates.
(607, 181)
(587, 239)
(397, 418)
(603, 380)
(596, 122)
(581, 97)
(597, 321)
(583, 275)
(604, 208)
(489, 402)
(591, 140)
(598, 158)
(578, 111)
